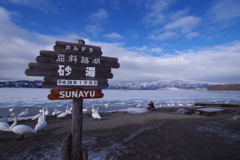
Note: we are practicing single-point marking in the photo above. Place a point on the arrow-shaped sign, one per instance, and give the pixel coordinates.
(61, 94)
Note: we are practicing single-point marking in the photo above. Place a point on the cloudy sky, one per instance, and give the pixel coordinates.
(152, 39)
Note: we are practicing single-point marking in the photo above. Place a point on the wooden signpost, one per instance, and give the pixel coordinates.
(61, 94)
(75, 71)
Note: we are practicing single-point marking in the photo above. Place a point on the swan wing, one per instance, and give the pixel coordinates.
(36, 116)
(23, 129)
(96, 115)
(40, 125)
(62, 114)
(59, 112)
(21, 114)
(40, 118)
(25, 113)
(4, 126)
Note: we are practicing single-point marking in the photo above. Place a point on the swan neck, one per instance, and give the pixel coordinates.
(14, 123)
(43, 114)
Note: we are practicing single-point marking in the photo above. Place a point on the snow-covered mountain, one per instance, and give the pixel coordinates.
(164, 85)
(156, 85)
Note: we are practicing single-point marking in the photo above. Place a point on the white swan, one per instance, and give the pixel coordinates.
(85, 109)
(106, 105)
(11, 109)
(21, 129)
(3, 119)
(11, 115)
(68, 110)
(59, 112)
(24, 113)
(180, 104)
(40, 110)
(41, 122)
(96, 115)
(37, 116)
(173, 104)
(93, 109)
(64, 114)
(4, 127)
(46, 112)
(226, 102)
(56, 112)
(139, 105)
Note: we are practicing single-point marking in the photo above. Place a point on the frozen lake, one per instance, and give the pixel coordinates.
(35, 99)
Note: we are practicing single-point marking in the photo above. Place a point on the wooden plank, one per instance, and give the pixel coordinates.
(74, 74)
(62, 94)
(55, 67)
(55, 55)
(76, 59)
(74, 83)
(104, 63)
(66, 147)
(217, 104)
(63, 49)
(84, 154)
(76, 130)
(54, 79)
(77, 48)
(54, 85)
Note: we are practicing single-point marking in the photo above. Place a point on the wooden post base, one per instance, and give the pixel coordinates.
(66, 149)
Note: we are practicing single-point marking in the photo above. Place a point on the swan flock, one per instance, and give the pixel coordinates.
(41, 122)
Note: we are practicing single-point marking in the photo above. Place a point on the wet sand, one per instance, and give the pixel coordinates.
(160, 134)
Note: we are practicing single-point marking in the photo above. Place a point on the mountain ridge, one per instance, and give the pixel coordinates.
(176, 84)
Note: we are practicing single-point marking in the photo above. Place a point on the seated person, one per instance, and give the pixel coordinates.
(151, 106)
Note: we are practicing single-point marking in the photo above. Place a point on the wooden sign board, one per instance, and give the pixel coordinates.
(63, 66)
(54, 57)
(64, 94)
(77, 48)
(66, 75)
(54, 82)
(73, 65)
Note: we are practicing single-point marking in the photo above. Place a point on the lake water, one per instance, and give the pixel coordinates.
(119, 100)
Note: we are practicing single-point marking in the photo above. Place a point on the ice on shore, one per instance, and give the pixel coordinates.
(182, 110)
(136, 110)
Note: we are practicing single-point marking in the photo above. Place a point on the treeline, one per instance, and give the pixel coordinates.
(224, 87)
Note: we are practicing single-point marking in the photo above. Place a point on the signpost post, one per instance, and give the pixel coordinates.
(75, 71)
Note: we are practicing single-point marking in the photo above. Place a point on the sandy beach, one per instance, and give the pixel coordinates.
(160, 134)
